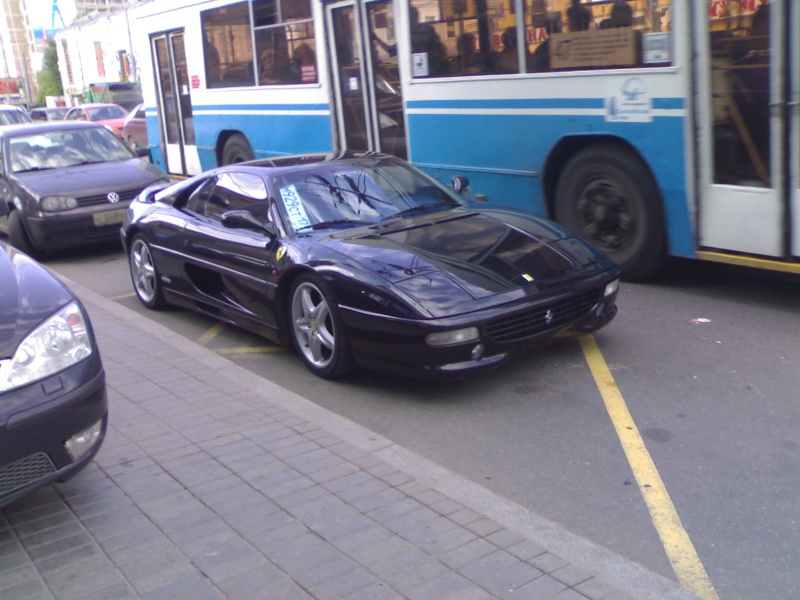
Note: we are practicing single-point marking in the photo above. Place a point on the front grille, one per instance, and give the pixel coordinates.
(25, 472)
(542, 318)
(103, 198)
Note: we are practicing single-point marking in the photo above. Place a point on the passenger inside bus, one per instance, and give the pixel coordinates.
(578, 16)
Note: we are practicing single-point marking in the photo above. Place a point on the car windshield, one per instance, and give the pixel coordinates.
(65, 148)
(346, 193)
(11, 117)
(101, 113)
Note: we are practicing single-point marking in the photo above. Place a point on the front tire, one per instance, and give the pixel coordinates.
(237, 149)
(144, 275)
(19, 237)
(317, 328)
(607, 195)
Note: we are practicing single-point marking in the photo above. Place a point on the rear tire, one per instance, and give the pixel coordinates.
(19, 237)
(237, 149)
(607, 196)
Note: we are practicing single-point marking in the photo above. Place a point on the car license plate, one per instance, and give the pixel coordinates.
(110, 217)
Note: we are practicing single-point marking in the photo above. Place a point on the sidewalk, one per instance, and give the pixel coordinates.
(215, 483)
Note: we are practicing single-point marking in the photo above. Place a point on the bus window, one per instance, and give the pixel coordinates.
(569, 35)
(462, 38)
(285, 46)
(227, 46)
(740, 83)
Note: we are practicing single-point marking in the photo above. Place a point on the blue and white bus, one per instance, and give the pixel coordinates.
(654, 128)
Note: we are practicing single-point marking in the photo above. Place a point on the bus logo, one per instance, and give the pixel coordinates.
(631, 104)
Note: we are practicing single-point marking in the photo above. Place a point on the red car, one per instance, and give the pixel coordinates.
(110, 115)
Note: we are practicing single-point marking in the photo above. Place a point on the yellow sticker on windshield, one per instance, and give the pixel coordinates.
(281, 252)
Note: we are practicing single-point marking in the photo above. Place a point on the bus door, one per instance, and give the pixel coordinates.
(175, 104)
(365, 75)
(749, 163)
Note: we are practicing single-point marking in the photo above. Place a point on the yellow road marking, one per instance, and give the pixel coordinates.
(685, 562)
(211, 334)
(249, 350)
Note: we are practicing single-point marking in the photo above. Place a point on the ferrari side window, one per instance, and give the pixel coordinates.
(238, 191)
(197, 201)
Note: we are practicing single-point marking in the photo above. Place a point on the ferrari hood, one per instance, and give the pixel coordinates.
(93, 179)
(470, 256)
(28, 295)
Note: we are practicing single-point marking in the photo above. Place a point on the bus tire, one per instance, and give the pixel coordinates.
(607, 196)
(236, 150)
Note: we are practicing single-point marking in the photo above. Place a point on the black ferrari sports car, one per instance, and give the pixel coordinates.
(363, 260)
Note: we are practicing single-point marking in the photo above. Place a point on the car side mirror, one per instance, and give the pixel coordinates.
(3, 208)
(144, 152)
(459, 183)
(244, 219)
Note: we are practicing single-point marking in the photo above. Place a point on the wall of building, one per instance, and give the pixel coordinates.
(96, 49)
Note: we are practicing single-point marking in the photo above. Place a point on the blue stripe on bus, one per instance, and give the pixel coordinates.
(227, 108)
(506, 167)
(529, 103)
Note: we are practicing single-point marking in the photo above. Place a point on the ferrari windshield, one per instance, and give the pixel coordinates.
(64, 148)
(357, 193)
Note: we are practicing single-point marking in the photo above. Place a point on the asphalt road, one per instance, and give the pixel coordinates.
(707, 360)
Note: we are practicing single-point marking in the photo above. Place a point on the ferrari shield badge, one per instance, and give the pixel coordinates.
(281, 252)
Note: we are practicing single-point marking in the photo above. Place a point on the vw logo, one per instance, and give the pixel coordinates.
(113, 197)
(549, 316)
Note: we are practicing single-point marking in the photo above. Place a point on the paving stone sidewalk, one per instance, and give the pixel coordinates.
(214, 483)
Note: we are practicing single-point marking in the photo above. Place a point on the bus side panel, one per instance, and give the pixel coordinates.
(270, 131)
(154, 139)
(504, 155)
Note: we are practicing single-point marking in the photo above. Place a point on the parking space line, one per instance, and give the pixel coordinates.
(249, 350)
(680, 551)
(209, 335)
(123, 296)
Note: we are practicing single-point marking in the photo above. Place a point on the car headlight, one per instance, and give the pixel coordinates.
(60, 342)
(58, 203)
(450, 338)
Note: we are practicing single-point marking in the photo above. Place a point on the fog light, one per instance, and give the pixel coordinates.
(477, 352)
(80, 443)
(450, 338)
(601, 308)
(611, 288)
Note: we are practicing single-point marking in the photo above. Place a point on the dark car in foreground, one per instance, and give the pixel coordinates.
(53, 404)
(365, 261)
(67, 184)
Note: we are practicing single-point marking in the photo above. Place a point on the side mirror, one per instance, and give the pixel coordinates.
(143, 152)
(3, 208)
(244, 219)
(459, 183)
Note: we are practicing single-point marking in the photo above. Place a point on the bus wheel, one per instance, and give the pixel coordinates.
(236, 150)
(606, 195)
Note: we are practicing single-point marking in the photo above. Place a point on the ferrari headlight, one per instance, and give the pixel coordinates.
(450, 338)
(60, 342)
(611, 288)
(58, 203)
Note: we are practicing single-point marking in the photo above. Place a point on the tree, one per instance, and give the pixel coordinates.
(49, 78)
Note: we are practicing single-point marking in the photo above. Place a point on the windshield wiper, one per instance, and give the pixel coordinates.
(418, 208)
(36, 169)
(326, 224)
